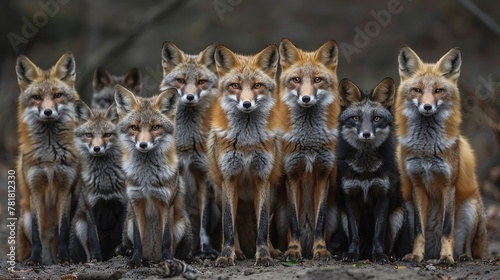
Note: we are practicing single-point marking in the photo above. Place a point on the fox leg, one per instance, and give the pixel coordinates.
(36, 242)
(294, 251)
(421, 205)
(24, 247)
(381, 212)
(237, 248)
(63, 206)
(320, 199)
(352, 225)
(204, 208)
(262, 207)
(138, 226)
(448, 210)
(95, 247)
(229, 207)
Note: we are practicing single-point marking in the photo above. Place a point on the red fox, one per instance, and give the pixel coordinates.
(309, 108)
(243, 151)
(48, 160)
(436, 163)
(157, 222)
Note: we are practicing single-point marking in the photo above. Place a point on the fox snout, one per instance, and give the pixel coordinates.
(427, 109)
(365, 131)
(247, 101)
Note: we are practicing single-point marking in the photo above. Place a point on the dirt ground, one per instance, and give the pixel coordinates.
(115, 269)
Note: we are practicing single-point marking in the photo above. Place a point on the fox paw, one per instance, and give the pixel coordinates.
(350, 257)
(264, 261)
(447, 259)
(413, 258)
(293, 255)
(134, 264)
(207, 254)
(465, 258)
(33, 262)
(321, 255)
(224, 261)
(275, 253)
(239, 255)
(380, 258)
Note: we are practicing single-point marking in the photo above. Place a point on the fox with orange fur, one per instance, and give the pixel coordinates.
(243, 150)
(48, 165)
(309, 108)
(437, 164)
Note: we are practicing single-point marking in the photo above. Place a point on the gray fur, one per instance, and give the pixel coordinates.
(352, 185)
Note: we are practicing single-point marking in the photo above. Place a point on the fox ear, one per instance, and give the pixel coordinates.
(384, 92)
(82, 112)
(167, 102)
(112, 114)
(132, 80)
(288, 53)
(328, 54)
(409, 62)
(450, 63)
(225, 60)
(102, 78)
(267, 60)
(65, 69)
(171, 56)
(207, 58)
(124, 99)
(348, 93)
(26, 72)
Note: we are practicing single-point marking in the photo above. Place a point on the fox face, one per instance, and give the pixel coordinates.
(104, 85)
(308, 77)
(429, 89)
(366, 119)
(47, 95)
(247, 83)
(146, 124)
(95, 133)
(194, 77)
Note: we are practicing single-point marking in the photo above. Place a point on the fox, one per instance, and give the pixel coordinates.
(195, 78)
(157, 223)
(369, 190)
(48, 162)
(243, 151)
(309, 107)
(97, 226)
(104, 83)
(436, 162)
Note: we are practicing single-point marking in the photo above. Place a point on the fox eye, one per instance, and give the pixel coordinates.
(235, 85)
(257, 85)
(155, 127)
(417, 90)
(88, 135)
(356, 118)
(134, 127)
(106, 135)
(317, 80)
(57, 95)
(438, 90)
(296, 80)
(36, 97)
(376, 119)
(180, 80)
(202, 82)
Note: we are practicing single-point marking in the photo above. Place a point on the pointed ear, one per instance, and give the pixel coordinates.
(167, 102)
(132, 80)
(225, 60)
(348, 93)
(124, 99)
(82, 112)
(112, 114)
(171, 56)
(450, 63)
(207, 58)
(102, 78)
(65, 69)
(267, 60)
(288, 53)
(26, 72)
(409, 62)
(384, 92)
(328, 54)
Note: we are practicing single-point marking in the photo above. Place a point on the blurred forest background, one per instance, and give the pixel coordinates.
(120, 35)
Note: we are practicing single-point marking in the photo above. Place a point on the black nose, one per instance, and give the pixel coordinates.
(47, 112)
(247, 104)
(366, 134)
(143, 145)
(190, 97)
(427, 107)
(97, 149)
(306, 98)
